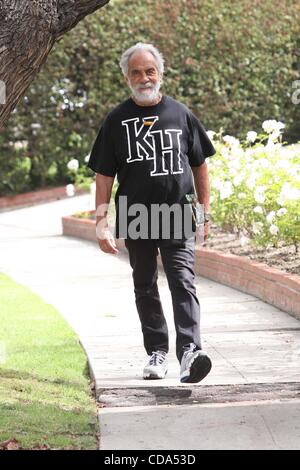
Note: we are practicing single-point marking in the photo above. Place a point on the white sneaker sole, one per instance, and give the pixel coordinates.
(154, 376)
(199, 369)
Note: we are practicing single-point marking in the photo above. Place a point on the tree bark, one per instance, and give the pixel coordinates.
(28, 31)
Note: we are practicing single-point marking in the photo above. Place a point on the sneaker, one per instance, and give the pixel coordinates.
(157, 366)
(195, 365)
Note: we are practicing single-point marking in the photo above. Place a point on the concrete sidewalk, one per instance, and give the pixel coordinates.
(251, 398)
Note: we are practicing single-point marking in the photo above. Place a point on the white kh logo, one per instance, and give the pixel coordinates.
(157, 145)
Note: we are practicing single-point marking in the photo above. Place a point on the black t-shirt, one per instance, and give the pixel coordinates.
(151, 149)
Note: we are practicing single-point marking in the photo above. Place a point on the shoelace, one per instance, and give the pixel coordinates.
(188, 354)
(192, 348)
(156, 358)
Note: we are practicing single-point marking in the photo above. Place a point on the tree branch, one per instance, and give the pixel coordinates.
(29, 29)
(70, 12)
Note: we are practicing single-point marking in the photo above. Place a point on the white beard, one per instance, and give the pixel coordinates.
(148, 96)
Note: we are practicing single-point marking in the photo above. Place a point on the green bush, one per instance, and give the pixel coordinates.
(256, 188)
(232, 63)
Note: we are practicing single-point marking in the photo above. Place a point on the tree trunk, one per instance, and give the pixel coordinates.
(28, 30)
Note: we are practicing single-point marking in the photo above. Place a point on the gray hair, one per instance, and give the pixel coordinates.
(141, 46)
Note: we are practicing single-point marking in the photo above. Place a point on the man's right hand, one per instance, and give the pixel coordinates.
(107, 242)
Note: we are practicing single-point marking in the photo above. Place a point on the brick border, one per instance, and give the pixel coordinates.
(268, 284)
(83, 228)
(35, 197)
(80, 228)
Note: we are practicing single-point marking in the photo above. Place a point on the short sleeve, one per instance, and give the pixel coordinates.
(199, 146)
(103, 159)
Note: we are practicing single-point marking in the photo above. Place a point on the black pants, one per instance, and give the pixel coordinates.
(178, 261)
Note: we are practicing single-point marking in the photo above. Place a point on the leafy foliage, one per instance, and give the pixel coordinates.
(232, 62)
(256, 189)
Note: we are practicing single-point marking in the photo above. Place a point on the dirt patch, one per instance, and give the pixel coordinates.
(284, 257)
(232, 393)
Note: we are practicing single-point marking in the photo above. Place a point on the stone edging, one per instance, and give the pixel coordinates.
(34, 197)
(268, 284)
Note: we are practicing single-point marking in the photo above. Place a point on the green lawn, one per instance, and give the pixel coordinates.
(45, 394)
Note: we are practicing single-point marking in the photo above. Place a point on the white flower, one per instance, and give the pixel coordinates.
(275, 135)
(259, 194)
(270, 216)
(258, 210)
(230, 140)
(272, 125)
(288, 151)
(73, 164)
(251, 182)
(264, 163)
(257, 227)
(21, 145)
(251, 136)
(226, 190)
(294, 194)
(70, 190)
(281, 211)
(236, 153)
(225, 152)
(270, 144)
(281, 200)
(283, 164)
(211, 134)
(217, 183)
(283, 194)
(233, 171)
(36, 126)
(86, 159)
(295, 172)
(288, 192)
(242, 195)
(280, 125)
(237, 180)
(276, 147)
(273, 229)
(269, 125)
(249, 153)
(286, 188)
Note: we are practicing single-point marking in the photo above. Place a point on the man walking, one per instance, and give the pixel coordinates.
(157, 148)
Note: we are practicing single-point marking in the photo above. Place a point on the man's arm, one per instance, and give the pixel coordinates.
(202, 186)
(201, 179)
(103, 194)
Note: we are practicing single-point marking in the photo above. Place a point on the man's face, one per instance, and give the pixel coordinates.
(143, 77)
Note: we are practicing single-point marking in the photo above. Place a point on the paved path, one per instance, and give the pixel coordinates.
(251, 398)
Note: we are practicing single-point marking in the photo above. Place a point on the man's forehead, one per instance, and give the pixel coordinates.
(142, 59)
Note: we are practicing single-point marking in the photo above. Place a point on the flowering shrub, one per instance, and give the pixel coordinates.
(255, 186)
(81, 175)
(83, 178)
